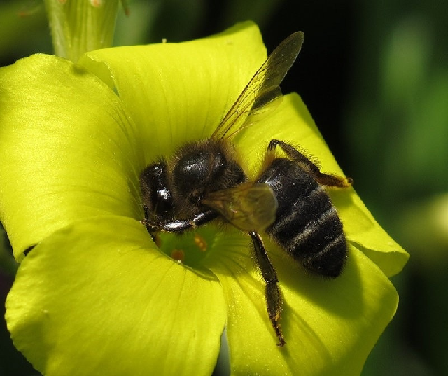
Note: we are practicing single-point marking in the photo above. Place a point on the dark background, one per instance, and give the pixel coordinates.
(374, 75)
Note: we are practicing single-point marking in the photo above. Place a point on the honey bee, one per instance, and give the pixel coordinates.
(287, 201)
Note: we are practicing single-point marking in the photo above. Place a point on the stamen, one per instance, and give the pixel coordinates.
(96, 3)
(178, 255)
(200, 242)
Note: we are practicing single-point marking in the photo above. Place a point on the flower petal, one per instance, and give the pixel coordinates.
(366, 234)
(291, 122)
(67, 150)
(178, 92)
(330, 326)
(110, 304)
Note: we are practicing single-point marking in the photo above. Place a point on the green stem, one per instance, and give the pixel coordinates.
(79, 26)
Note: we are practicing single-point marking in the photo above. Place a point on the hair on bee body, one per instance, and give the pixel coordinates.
(204, 181)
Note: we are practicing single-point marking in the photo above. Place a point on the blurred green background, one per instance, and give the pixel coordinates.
(374, 75)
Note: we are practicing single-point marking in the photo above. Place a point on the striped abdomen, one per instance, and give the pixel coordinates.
(307, 225)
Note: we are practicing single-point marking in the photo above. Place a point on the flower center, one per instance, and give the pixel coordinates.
(190, 248)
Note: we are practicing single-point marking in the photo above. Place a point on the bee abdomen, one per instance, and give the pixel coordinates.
(307, 225)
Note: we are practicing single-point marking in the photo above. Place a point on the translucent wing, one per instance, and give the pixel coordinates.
(263, 87)
(248, 206)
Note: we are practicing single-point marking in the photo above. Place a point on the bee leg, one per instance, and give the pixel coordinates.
(176, 226)
(152, 232)
(307, 165)
(150, 227)
(273, 295)
(182, 225)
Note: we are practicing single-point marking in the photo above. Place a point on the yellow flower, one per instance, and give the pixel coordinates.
(96, 295)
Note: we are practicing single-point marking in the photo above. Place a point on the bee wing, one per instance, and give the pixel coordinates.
(248, 206)
(263, 88)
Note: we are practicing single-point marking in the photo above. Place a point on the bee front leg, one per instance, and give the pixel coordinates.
(180, 225)
(272, 293)
(296, 156)
(150, 227)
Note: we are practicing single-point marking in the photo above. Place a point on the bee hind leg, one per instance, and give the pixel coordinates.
(272, 293)
(296, 156)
